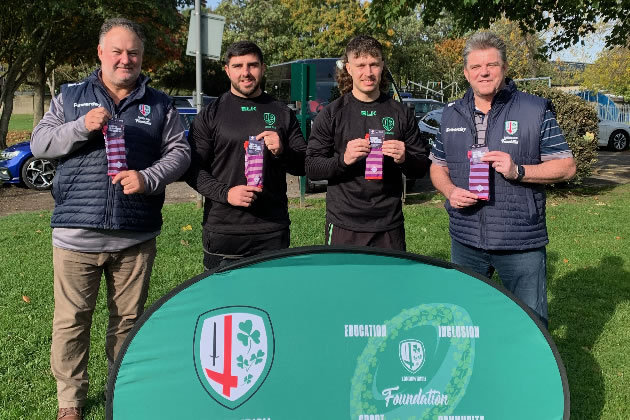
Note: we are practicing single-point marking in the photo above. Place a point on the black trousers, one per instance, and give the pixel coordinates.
(220, 249)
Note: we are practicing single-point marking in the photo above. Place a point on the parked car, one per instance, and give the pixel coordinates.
(18, 165)
(187, 116)
(614, 135)
(422, 106)
(430, 124)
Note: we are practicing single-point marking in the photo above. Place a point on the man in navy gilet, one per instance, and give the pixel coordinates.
(497, 214)
(106, 217)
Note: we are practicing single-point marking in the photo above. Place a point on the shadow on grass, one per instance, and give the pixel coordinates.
(581, 307)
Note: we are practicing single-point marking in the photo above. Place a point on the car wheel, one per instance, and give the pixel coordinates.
(618, 141)
(38, 174)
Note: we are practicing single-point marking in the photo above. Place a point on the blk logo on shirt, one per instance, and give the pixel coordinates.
(233, 353)
(368, 113)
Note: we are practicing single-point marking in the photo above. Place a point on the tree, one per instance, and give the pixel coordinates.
(293, 29)
(449, 57)
(413, 55)
(524, 50)
(55, 31)
(574, 18)
(610, 72)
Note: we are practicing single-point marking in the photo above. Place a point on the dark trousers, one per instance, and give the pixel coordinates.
(524, 273)
(390, 239)
(220, 249)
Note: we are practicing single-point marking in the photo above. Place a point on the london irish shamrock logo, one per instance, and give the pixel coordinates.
(233, 353)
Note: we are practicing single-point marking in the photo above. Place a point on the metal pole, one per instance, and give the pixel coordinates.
(305, 123)
(198, 70)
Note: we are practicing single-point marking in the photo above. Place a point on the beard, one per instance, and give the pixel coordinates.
(249, 92)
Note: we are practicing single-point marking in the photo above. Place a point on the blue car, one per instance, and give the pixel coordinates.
(187, 116)
(18, 165)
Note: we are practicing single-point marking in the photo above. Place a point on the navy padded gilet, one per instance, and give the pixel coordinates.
(514, 217)
(84, 194)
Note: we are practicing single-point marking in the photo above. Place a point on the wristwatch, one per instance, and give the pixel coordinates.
(520, 170)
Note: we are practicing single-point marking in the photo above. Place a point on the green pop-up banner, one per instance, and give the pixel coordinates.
(338, 333)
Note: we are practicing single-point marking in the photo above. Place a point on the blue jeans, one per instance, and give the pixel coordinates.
(524, 273)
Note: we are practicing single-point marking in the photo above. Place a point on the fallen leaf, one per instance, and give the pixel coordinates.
(187, 227)
(617, 237)
(38, 231)
(26, 299)
(185, 243)
(565, 261)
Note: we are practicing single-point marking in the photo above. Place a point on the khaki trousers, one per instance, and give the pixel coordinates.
(77, 279)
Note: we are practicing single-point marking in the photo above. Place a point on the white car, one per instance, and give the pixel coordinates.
(613, 134)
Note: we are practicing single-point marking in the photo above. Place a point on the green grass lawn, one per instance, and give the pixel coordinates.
(21, 122)
(589, 294)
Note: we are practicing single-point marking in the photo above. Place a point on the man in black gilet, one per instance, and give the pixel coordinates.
(245, 129)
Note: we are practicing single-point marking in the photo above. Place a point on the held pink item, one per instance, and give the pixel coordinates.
(374, 160)
(114, 133)
(479, 179)
(254, 161)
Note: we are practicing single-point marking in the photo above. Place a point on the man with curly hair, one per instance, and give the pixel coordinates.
(362, 143)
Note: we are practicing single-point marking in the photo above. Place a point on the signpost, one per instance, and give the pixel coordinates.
(205, 34)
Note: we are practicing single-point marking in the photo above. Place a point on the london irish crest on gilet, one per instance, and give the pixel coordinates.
(233, 353)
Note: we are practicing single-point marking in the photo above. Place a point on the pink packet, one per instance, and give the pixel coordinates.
(254, 161)
(374, 160)
(114, 133)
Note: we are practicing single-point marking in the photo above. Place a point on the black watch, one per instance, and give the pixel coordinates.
(520, 170)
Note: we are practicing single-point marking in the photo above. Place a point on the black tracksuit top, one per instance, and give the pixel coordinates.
(352, 202)
(217, 138)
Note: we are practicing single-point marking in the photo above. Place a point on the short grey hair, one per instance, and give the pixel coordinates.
(131, 26)
(483, 41)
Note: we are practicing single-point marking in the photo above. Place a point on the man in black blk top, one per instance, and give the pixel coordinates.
(241, 220)
(362, 211)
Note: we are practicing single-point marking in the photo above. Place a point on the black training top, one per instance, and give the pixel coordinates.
(217, 138)
(352, 202)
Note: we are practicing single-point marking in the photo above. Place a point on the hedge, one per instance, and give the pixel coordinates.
(578, 119)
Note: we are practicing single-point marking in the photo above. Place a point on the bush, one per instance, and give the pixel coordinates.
(579, 121)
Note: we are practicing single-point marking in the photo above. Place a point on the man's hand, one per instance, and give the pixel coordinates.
(502, 163)
(461, 198)
(242, 195)
(132, 182)
(272, 142)
(355, 150)
(97, 118)
(394, 149)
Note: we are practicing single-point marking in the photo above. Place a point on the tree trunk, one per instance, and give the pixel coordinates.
(40, 89)
(8, 92)
(51, 83)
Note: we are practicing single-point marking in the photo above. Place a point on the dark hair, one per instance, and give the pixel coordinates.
(241, 48)
(358, 46)
(112, 23)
